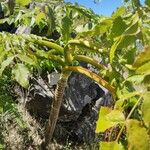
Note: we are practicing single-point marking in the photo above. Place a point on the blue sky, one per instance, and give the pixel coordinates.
(105, 7)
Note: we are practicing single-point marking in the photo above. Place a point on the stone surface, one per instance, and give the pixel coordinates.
(79, 111)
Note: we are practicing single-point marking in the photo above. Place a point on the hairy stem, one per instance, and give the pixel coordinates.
(56, 104)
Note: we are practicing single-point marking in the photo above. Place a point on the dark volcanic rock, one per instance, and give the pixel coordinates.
(79, 110)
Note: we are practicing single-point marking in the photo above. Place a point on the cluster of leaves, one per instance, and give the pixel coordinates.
(7, 105)
(129, 57)
(117, 40)
(25, 53)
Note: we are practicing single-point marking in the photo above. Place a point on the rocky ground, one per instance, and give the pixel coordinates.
(77, 120)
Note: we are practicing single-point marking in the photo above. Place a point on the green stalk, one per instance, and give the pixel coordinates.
(57, 59)
(90, 61)
(52, 57)
(68, 55)
(50, 45)
(69, 51)
(85, 44)
(54, 52)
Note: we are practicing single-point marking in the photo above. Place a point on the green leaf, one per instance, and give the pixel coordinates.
(137, 136)
(132, 30)
(103, 123)
(21, 75)
(66, 28)
(127, 41)
(6, 63)
(144, 69)
(113, 48)
(129, 95)
(26, 59)
(108, 118)
(102, 27)
(130, 54)
(136, 79)
(143, 57)
(2, 56)
(23, 2)
(2, 146)
(110, 146)
(118, 27)
(146, 33)
(147, 2)
(40, 17)
(120, 11)
(83, 28)
(50, 19)
(119, 104)
(136, 3)
(42, 53)
(146, 108)
(115, 116)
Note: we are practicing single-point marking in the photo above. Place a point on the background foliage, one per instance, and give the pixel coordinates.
(122, 42)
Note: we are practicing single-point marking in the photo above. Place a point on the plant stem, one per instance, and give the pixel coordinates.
(56, 104)
(90, 60)
(129, 115)
(50, 45)
(86, 45)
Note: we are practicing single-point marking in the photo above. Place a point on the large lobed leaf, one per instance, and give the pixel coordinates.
(137, 136)
(124, 39)
(108, 118)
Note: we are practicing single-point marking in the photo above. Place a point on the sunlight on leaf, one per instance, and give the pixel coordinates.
(137, 136)
(129, 95)
(136, 79)
(23, 2)
(103, 123)
(146, 108)
(21, 75)
(110, 146)
(113, 48)
(26, 59)
(40, 17)
(144, 69)
(5, 63)
(120, 11)
(116, 116)
(108, 118)
(142, 58)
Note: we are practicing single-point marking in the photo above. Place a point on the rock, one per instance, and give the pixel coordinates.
(79, 111)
